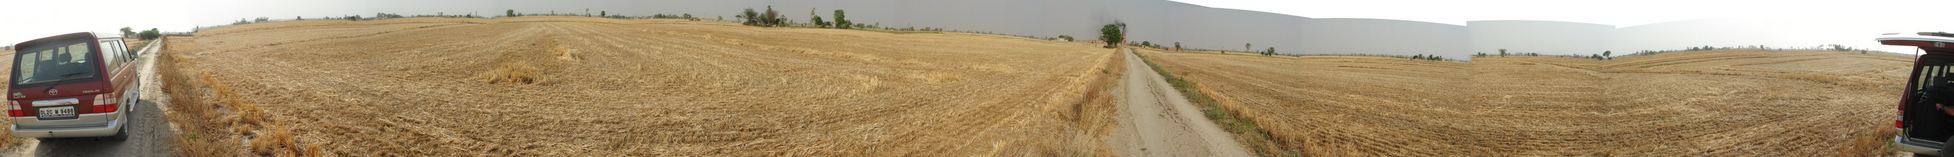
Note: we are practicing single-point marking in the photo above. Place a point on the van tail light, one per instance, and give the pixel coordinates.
(105, 103)
(13, 109)
(1900, 115)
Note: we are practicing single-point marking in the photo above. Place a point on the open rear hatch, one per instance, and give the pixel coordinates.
(1917, 117)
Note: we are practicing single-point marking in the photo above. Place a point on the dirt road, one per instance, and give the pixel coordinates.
(1158, 121)
(146, 121)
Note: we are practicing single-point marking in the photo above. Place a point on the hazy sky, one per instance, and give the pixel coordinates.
(1842, 21)
(1617, 13)
(1853, 23)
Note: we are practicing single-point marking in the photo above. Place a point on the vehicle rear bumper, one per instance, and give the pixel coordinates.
(109, 129)
(1920, 148)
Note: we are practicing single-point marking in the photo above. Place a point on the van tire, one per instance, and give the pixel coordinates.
(122, 133)
(1943, 148)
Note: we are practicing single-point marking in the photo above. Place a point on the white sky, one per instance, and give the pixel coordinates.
(1852, 23)
(27, 20)
(24, 20)
(1618, 13)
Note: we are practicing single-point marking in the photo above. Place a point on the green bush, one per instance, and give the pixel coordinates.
(818, 23)
(386, 15)
(1111, 34)
(150, 34)
(510, 13)
(770, 18)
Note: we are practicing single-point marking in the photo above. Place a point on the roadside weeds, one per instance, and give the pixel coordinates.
(211, 118)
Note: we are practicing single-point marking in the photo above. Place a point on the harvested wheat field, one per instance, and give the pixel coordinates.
(7, 140)
(1705, 103)
(575, 86)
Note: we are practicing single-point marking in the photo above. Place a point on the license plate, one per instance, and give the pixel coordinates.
(56, 112)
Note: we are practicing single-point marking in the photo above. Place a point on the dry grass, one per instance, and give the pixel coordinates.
(606, 87)
(7, 139)
(196, 118)
(514, 72)
(1096, 112)
(1717, 103)
(212, 115)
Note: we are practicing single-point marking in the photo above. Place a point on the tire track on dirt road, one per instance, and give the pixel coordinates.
(1157, 121)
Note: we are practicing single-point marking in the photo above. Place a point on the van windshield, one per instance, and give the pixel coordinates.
(53, 62)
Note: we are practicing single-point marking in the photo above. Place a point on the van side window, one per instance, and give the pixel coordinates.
(108, 47)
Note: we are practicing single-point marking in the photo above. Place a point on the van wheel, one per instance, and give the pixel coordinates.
(1943, 148)
(122, 134)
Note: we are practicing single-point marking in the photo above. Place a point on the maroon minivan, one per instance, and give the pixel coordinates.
(71, 85)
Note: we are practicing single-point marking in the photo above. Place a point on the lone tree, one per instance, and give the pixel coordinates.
(1271, 52)
(816, 18)
(1607, 54)
(1245, 47)
(126, 32)
(818, 23)
(1502, 52)
(1177, 46)
(1111, 35)
(510, 13)
(842, 23)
